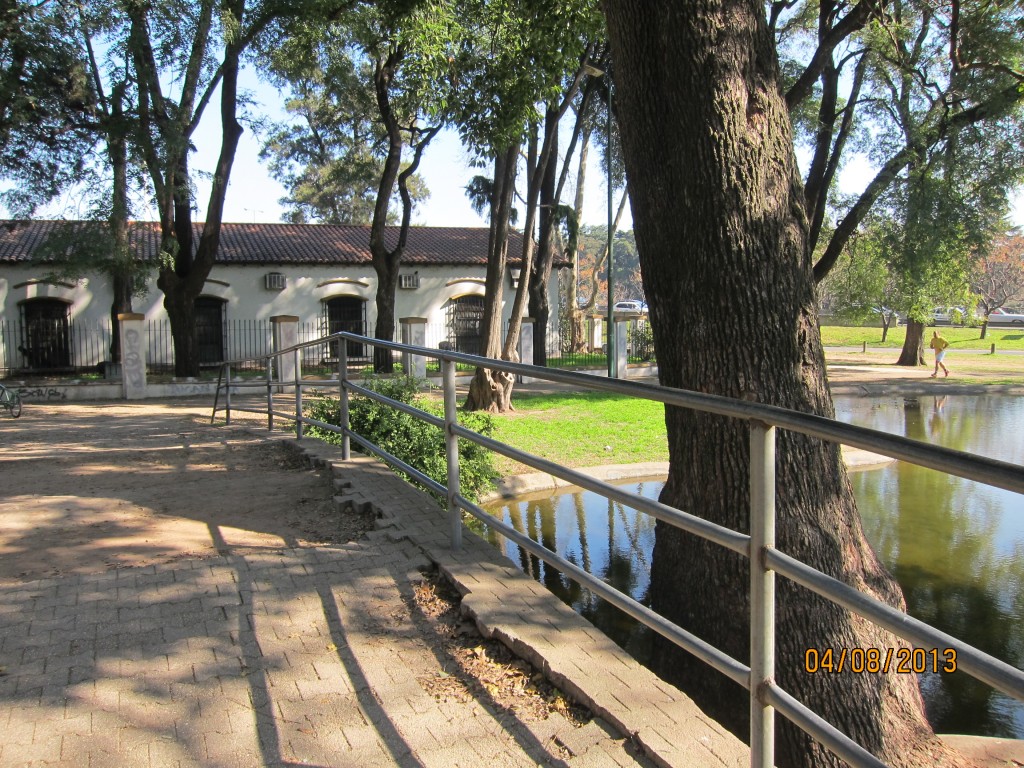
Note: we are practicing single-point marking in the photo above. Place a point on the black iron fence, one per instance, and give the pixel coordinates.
(66, 348)
(82, 348)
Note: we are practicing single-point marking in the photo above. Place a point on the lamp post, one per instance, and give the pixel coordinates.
(612, 367)
(610, 346)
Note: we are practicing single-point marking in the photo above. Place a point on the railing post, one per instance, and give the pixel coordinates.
(762, 594)
(451, 445)
(298, 393)
(346, 449)
(270, 394)
(227, 393)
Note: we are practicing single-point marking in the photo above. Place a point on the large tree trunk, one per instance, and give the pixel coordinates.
(124, 264)
(384, 328)
(540, 307)
(719, 220)
(913, 345)
(491, 390)
(166, 160)
(122, 304)
(577, 321)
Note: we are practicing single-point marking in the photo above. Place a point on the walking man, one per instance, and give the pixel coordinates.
(939, 344)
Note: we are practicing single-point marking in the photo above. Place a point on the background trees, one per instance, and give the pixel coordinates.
(329, 156)
(998, 277)
(535, 56)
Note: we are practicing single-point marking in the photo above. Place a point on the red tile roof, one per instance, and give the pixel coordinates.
(285, 244)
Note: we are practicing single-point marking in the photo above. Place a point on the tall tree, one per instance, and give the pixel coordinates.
(919, 79)
(405, 101)
(45, 96)
(80, 140)
(183, 54)
(998, 274)
(953, 182)
(720, 217)
(548, 42)
(330, 155)
(375, 89)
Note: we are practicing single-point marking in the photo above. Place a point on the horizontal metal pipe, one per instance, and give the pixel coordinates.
(726, 537)
(412, 410)
(997, 473)
(999, 675)
(728, 666)
(246, 385)
(820, 729)
(969, 659)
(236, 409)
(398, 463)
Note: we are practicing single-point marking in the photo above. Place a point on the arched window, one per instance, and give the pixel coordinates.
(346, 313)
(210, 329)
(45, 338)
(464, 332)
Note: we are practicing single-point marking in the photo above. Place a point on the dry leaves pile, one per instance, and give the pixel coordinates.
(479, 668)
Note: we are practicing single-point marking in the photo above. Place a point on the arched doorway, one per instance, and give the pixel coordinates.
(346, 313)
(46, 338)
(210, 329)
(464, 318)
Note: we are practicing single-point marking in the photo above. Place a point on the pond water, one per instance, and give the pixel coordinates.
(956, 547)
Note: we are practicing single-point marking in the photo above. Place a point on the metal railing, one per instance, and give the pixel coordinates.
(766, 696)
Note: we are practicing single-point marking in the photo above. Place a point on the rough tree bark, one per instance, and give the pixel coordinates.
(913, 345)
(720, 224)
(386, 261)
(125, 266)
(540, 307)
(491, 390)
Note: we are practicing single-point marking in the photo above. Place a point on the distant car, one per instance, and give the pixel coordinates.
(1001, 316)
(884, 313)
(949, 316)
(636, 307)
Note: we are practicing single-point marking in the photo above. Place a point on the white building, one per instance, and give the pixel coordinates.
(320, 273)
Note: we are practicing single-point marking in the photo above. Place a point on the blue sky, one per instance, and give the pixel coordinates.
(253, 195)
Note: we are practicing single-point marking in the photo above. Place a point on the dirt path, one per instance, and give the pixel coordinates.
(78, 501)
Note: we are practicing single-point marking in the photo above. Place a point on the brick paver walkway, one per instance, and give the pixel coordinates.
(308, 655)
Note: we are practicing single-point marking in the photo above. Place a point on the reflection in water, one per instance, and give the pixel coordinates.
(956, 548)
(603, 537)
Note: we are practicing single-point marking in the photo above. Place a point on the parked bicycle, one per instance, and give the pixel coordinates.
(10, 400)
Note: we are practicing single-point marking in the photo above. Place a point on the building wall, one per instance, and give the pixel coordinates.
(247, 297)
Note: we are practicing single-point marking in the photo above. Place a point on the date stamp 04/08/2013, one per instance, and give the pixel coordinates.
(879, 660)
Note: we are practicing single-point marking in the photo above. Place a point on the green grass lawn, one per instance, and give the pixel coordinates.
(585, 429)
(1005, 338)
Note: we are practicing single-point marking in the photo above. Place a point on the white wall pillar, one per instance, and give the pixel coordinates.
(621, 352)
(286, 334)
(597, 337)
(526, 342)
(133, 355)
(414, 333)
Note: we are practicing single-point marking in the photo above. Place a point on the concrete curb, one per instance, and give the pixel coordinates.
(531, 483)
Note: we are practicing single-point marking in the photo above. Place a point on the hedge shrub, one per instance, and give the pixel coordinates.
(415, 442)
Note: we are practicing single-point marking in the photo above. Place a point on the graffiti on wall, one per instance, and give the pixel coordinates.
(133, 367)
(42, 393)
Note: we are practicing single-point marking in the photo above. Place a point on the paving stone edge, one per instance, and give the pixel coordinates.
(509, 606)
